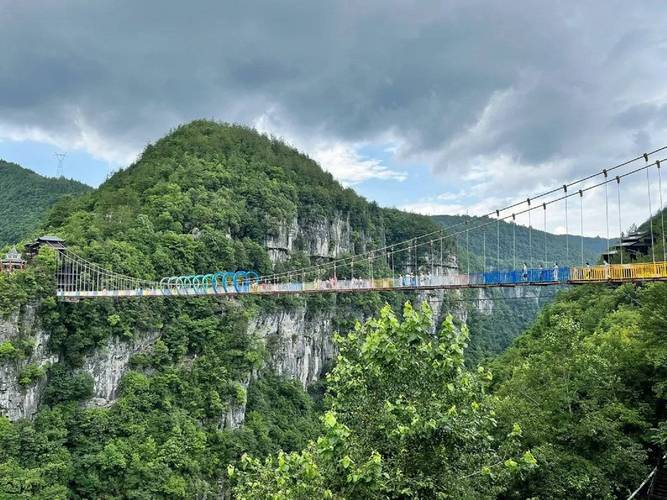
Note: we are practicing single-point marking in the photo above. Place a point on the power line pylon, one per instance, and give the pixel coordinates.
(59, 169)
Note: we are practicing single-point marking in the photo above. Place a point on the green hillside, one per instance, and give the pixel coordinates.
(25, 199)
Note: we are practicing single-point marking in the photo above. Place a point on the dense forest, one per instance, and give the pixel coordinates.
(25, 198)
(574, 408)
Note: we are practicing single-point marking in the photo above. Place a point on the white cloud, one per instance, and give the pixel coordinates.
(350, 168)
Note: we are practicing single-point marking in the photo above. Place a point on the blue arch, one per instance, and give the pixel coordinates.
(239, 281)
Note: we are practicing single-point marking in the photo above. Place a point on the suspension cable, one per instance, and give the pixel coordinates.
(606, 211)
(662, 213)
(536, 196)
(513, 241)
(484, 247)
(498, 240)
(530, 236)
(650, 210)
(567, 232)
(581, 211)
(546, 260)
(620, 226)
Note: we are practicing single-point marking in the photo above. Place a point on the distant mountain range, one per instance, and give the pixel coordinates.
(25, 197)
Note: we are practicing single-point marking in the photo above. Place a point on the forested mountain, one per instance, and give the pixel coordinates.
(206, 197)
(25, 198)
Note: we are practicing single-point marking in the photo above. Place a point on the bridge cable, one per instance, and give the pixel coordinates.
(567, 235)
(538, 196)
(620, 226)
(441, 261)
(432, 259)
(662, 213)
(546, 259)
(498, 240)
(581, 213)
(530, 237)
(514, 241)
(606, 211)
(413, 241)
(484, 247)
(468, 249)
(650, 209)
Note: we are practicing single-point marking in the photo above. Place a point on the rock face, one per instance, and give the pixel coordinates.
(299, 341)
(320, 238)
(300, 347)
(108, 364)
(17, 401)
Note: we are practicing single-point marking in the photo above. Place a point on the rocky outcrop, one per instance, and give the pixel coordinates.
(300, 346)
(319, 238)
(108, 364)
(17, 401)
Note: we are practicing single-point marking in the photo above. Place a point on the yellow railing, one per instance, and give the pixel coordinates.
(643, 270)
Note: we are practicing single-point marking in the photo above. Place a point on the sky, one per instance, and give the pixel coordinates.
(429, 106)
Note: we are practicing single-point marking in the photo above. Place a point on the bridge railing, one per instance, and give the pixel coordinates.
(634, 271)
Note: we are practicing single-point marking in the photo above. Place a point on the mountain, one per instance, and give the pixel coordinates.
(154, 398)
(26, 197)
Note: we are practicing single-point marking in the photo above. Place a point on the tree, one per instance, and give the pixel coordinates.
(407, 419)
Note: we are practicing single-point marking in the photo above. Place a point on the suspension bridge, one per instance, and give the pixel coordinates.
(422, 263)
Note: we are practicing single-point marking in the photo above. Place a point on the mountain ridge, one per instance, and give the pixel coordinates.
(26, 198)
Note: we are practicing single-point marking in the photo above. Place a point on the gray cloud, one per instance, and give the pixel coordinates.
(453, 83)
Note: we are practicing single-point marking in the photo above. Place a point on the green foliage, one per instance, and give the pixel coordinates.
(36, 283)
(26, 197)
(587, 383)
(8, 351)
(407, 419)
(30, 374)
(67, 385)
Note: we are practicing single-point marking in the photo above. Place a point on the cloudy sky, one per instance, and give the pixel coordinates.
(436, 107)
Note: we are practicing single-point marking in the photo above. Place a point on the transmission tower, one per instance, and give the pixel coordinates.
(59, 169)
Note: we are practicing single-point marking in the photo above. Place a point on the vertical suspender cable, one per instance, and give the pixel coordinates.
(567, 230)
(546, 264)
(606, 211)
(432, 259)
(467, 247)
(650, 209)
(620, 226)
(513, 241)
(414, 245)
(370, 262)
(497, 240)
(441, 263)
(662, 213)
(484, 247)
(530, 236)
(581, 213)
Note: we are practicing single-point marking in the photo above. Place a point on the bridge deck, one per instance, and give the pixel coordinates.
(365, 286)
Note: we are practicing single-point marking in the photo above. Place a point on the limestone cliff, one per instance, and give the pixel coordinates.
(17, 400)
